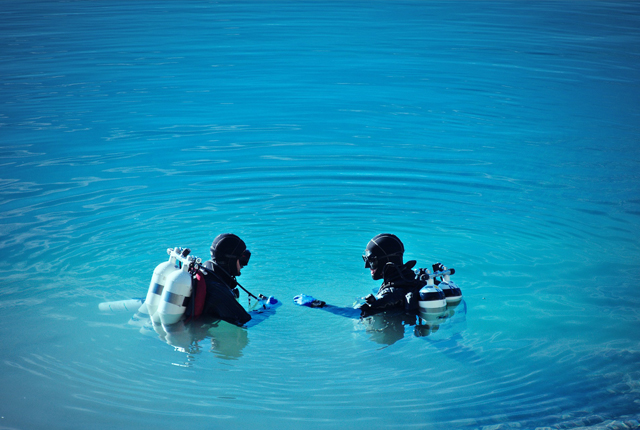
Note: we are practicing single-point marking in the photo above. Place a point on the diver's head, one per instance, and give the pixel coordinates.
(382, 249)
(230, 253)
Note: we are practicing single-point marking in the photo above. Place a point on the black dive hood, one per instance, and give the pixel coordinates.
(382, 249)
(226, 250)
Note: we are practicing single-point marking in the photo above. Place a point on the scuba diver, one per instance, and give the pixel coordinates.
(400, 288)
(229, 255)
(189, 301)
(397, 302)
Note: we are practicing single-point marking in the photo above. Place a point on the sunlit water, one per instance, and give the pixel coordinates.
(500, 138)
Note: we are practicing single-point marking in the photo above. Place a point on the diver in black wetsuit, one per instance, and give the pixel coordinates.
(228, 255)
(400, 288)
(396, 304)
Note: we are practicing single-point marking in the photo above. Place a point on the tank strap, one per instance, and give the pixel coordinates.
(176, 299)
(157, 289)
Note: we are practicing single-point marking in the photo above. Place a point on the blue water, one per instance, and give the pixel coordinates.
(500, 138)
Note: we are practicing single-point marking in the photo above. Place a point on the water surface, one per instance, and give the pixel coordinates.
(500, 138)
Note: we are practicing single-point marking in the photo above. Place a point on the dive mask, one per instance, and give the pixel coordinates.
(244, 258)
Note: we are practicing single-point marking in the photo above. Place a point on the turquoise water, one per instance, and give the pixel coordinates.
(500, 138)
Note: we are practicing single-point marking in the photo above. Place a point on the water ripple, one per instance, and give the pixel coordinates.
(498, 138)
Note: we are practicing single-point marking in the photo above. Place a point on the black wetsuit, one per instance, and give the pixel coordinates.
(400, 290)
(220, 301)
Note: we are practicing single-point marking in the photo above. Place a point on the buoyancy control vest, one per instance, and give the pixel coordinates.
(221, 301)
(195, 306)
(403, 277)
(400, 288)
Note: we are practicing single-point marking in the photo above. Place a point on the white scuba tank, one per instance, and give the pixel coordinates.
(173, 304)
(432, 298)
(451, 291)
(158, 282)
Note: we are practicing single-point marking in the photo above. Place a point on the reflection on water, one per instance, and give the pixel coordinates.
(192, 336)
(227, 340)
(389, 327)
(223, 339)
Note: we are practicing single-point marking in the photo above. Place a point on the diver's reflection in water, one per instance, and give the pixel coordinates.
(447, 336)
(192, 337)
(223, 339)
(454, 317)
(387, 328)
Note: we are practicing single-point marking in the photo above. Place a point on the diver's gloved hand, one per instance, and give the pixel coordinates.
(365, 310)
(304, 300)
(269, 302)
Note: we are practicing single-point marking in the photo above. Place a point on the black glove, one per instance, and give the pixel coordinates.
(365, 310)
